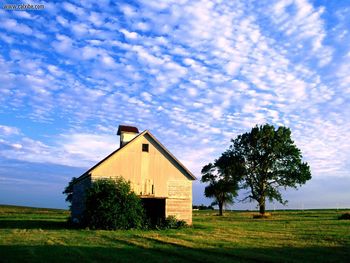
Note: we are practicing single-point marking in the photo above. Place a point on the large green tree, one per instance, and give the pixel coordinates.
(271, 161)
(222, 179)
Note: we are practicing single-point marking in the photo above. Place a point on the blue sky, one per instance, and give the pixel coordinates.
(195, 73)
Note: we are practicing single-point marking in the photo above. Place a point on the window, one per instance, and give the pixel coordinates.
(145, 147)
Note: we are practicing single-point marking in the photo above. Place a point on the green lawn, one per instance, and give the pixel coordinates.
(41, 235)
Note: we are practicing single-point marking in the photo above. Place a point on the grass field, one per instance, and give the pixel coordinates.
(41, 235)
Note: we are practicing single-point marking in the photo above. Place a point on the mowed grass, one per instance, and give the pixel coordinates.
(41, 235)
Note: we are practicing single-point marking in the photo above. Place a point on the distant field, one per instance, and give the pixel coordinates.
(40, 235)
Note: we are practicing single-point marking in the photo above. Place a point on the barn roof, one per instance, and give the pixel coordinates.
(126, 128)
(189, 174)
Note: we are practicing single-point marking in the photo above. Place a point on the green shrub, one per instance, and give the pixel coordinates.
(171, 222)
(181, 224)
(344, 216)
(110, 205)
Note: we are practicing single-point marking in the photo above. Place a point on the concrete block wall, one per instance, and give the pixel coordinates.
(179, 201)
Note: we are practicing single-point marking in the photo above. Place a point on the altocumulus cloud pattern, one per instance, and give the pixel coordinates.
(195, 73)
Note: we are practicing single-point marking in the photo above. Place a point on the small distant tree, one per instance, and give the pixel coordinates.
(203, 207)
(223, 177)
(270, 161)
(110, 204)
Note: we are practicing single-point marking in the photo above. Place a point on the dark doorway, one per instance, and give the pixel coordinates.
(155, 209)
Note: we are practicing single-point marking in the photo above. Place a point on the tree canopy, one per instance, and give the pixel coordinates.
(270, 161)
(223, 183)
(68, 191)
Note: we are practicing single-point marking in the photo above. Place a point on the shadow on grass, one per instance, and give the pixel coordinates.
(32, 224)
(132, 253)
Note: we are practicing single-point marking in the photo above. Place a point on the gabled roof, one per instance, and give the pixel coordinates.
(125, 128)
(130, 142)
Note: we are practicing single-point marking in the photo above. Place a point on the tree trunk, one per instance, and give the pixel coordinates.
(220, 208)
(262, 205)
(262, 208)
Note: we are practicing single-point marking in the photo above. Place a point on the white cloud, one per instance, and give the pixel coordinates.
(303, 23)
(147, 96)
(142, 26)
(128, 10)
(7, 38)
(108, 61)
(79, 29)
(96, 19)
(64, 22)
(89, 52)
(9, 130)
(24, 14)
(74, 149)
(55, 70)
(13, 26)
(64, 45)
(73, 9)
(89, 147)
(128, 34)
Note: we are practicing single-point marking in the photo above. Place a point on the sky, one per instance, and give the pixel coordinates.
(194, 73)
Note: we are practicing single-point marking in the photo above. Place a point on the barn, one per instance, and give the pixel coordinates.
(163, 183)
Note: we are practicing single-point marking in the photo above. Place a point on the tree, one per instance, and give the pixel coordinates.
(68, 191)
(110, 204)
(270, 161)
(223, 180)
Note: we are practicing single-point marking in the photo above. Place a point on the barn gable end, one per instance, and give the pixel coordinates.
(154, 174)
